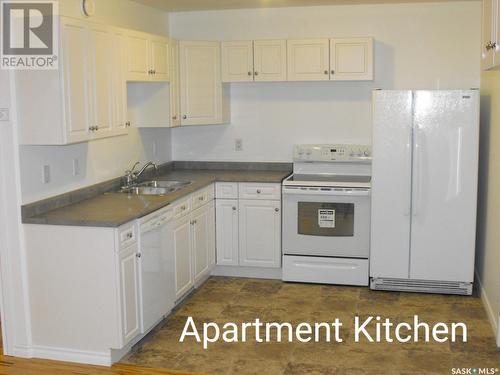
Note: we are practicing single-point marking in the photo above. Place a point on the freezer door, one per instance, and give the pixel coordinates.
(391, 184)
(444, 197)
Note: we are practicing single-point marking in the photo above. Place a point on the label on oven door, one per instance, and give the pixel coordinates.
(326, 218)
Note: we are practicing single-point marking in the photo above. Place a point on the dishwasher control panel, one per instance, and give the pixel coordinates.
(332, 152)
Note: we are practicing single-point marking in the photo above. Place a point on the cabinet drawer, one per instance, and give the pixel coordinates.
(226, 190)
(127, 235)
(259, 191)
(182, 208)
(201, 197)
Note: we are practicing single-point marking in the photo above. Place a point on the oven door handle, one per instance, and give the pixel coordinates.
(333, 193)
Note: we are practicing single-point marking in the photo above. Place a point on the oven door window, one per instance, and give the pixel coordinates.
(326, 219)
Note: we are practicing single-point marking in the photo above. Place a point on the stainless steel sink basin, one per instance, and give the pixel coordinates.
(171, 184)
(155, 187)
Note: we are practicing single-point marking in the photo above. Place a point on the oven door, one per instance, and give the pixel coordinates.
(332, 222)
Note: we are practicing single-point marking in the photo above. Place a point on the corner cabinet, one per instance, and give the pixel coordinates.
(147, 57)
(85, 99)
(490, 46)
(248, 228)
(204, 100)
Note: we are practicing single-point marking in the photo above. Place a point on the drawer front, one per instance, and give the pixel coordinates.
(182, 208)
(201, 197)
(259, 191)
(127, 235)
(226, 190)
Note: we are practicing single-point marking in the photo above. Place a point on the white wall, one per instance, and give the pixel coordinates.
(425, 45)
(103, 159)
(488, 244)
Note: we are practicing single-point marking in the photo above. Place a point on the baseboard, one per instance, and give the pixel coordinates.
(71, 355)
(256, 272)
(492, 317)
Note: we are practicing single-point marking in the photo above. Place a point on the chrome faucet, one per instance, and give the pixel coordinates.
(131, 176)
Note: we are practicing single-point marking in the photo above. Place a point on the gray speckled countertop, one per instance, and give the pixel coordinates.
(115, 209)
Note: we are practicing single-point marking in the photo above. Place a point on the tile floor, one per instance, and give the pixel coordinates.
(223, 299)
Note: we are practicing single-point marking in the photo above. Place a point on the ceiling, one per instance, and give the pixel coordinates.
(194, 5)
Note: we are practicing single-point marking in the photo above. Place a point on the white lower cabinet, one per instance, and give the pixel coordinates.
(248, 231)
(183, 257)
(194, 246)
(260, 233)
(129, 292)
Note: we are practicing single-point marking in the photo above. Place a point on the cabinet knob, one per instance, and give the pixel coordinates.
(149, 71)
(256, 73)
(92, 128)
(153, 71)
(249, 73)
(184, 117)
(234, 208)
(490, 45)
(332, 71)
(97, 128)
(258, 191)
(128, 124)
(174, 117)
(326, 71)
(138, 255)
(277, 209)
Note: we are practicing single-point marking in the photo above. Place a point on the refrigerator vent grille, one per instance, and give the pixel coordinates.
(422, 286)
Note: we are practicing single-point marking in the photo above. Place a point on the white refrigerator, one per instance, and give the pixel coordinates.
(424, 190)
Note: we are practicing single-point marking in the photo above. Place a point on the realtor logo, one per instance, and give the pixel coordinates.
(29, 35)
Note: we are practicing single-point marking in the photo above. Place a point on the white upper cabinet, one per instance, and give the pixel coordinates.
(490, 35)
(148, 57)
(203, 98)
(175, 104)
(237, 61)
(351, 59)
(259, 60)
(269, 60)
(308, 60)
(85, 99)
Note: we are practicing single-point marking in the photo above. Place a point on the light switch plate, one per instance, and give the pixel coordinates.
(4, 114)
(238, 144)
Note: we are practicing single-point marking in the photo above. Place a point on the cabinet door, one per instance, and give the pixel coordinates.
(308, 60)
(160, 59)
(211, 235)
(260, 233)
(270, 60)
(201, 239)
(175, 105)
(120, 119)
(351, 59)
(77, 80)
(183, 258)
(237, 61)
(138, 64)
(129, 292)
(101, 45)
(201, 90)
(227, 240)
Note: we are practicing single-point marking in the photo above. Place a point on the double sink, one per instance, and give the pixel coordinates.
(154, 187)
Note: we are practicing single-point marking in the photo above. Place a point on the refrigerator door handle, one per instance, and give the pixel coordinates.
(416, 181)
(409, 145)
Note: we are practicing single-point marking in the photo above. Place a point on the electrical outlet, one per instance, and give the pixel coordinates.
(238, 144)
(4, 114)
(76, 167)
(46, 174)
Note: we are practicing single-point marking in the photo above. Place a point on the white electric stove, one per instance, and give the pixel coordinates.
(326, 215)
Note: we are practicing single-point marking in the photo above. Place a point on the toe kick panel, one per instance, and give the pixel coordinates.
(346, 271)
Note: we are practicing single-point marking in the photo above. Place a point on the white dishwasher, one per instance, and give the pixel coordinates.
(157, 267)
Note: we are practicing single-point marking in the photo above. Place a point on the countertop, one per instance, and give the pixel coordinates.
(115, 209)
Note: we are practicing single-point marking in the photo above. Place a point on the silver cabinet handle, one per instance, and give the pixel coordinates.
(277, 209)
(127, 124)
(234, 208)
(174, 117)
(184, 117)
(332, 71)
(326, 71)
(256, 73)
(97, 128)
(138, 255)
(92, 128)
(149, 71)
(258, 191)
(249, 73)
(490, 45)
